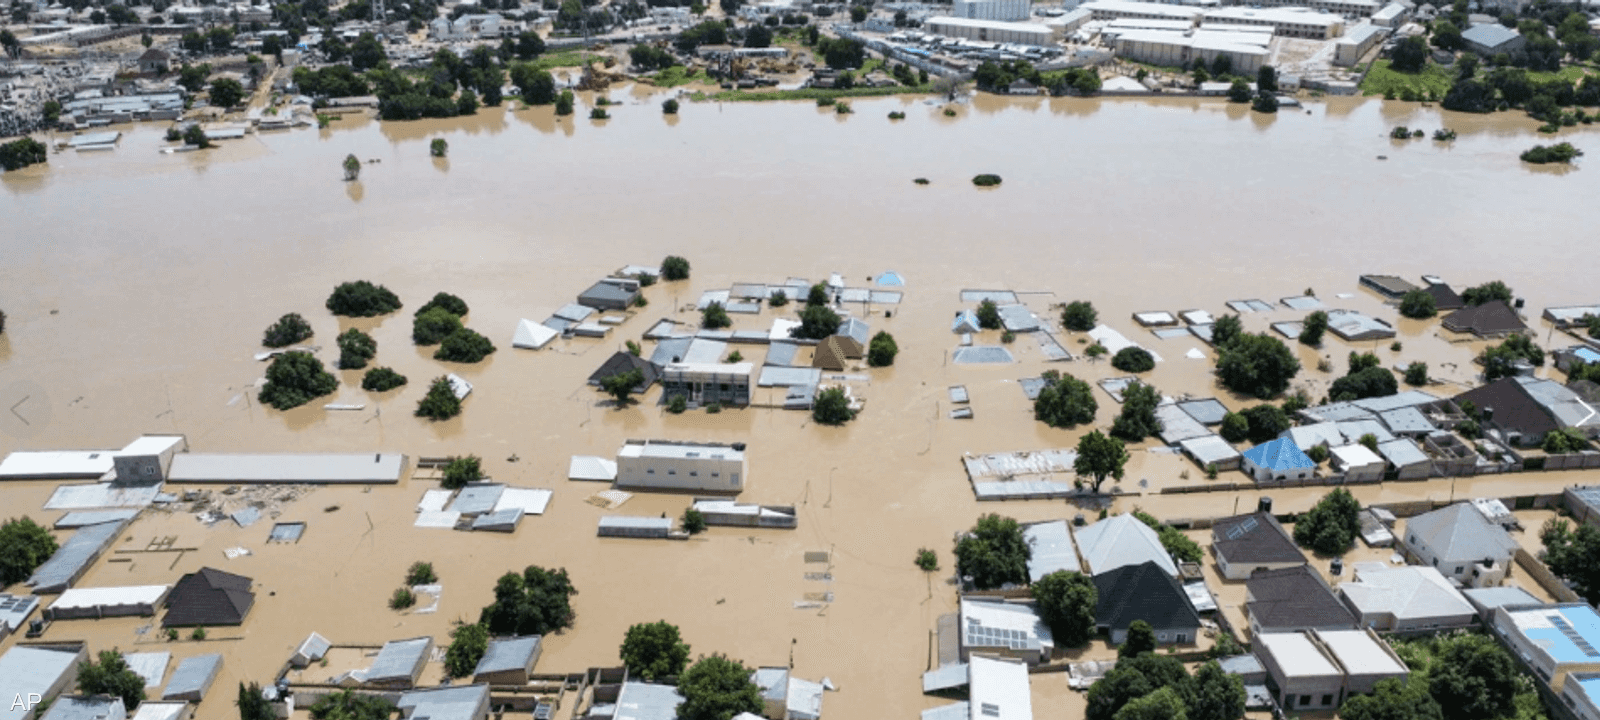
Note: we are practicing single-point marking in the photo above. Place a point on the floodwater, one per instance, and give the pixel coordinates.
(137, 286)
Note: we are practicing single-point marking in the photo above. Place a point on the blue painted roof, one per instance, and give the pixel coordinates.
(891, 278)
(1279, 454)
(1586, 355)
(1584, 623)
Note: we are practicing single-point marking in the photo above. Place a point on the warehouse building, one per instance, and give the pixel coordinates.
(1345, 8)
(1175, 50)
(992, 31)
(1120, 9)
(1007, 10)
(1284, 22)
(669, 465)
(1349, 49)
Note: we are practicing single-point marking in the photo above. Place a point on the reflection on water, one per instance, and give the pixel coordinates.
(355, 190)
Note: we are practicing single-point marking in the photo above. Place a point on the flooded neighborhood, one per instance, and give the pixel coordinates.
(985, 360)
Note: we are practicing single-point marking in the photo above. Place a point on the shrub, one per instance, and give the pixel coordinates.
(986, 180)
(988, 315)
(1312, 330)
(896, 115)
(715, 316)
(1079, 315)
(882, 349)
(670, 107)
(199, 633)
(645, 279)
(1133, 359)
(464, 346)
(288, 330)
(677, 405)
(382, 379)
(1417, 373)
(449, 303)
(294, 379)
(1007, 337)
(1418, 304)
(441, 402)
(460, 471)
(826, 101)
(402, 599)
(842, 108)
(1540, 154)
(433, 326)
(599, 114)
(674, 268)
(1318, 453)
(713, 408)
(362, 299)
(468, 643)
(564, 104)
(355, 349)
(1095, 350)
(421, 573)
(694, 521)
(832, 407)
(927, 560)
(438, 148)
(921, 181)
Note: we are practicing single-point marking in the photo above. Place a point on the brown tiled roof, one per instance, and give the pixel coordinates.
(830, 354)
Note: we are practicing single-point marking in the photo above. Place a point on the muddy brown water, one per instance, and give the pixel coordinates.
(137, 286)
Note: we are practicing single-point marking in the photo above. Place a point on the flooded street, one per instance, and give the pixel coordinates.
(137, 286)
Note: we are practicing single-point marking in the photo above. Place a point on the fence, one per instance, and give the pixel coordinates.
(1546, 579)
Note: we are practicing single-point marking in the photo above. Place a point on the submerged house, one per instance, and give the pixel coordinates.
(1279, 459)
(209, 597)
(1462, 544)
(1144, 592)
(670, 465)
(623, 362)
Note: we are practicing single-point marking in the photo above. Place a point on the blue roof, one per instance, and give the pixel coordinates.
(1584, 624)
(1279, 454)
(891, 278)
(1489, 34)
(1586, 355)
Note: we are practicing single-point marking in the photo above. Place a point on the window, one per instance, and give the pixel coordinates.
(1305, 700)
(1327, 699)
(672, 472)
(1436, 562)
(716, 474)
(694, 473)
(1459, 569)
(650, 471)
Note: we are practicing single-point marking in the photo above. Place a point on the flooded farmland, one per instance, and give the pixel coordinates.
(137, 286)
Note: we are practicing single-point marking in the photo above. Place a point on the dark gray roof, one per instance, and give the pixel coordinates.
(1142, 592)
(477, 498)
(1207, 412)
(1491, 318)
(1254, 538)
(209, 597)
(621, 362)
(508, 654)
(1514, 408)
(670, 348)
(607, 293)
(1295, 598)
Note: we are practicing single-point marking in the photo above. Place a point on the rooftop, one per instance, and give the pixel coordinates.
(1460, 532)
(987, 623)
(679, 450)
(295, 468)
(1297, 656)
(643, 701)
(193, 675)
(1567, 633)
(1279, 454)
(506, 654)
(1489, 34)
(446, 703)
(1409, 593)
(1142, 592)
(1294, 597)
(1254, 538)
(1119, 541)
(399, 659)
(1053, 549)
(999, 689)
(1359, 653)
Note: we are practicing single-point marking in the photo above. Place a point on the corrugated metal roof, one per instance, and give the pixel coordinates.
(774, 376)
(530, 501)
(1207, 412)
(69, 561)
(194, 675)
(636, 522)
(57, 464)
(1177, 426)
(101, 495)
(574, 312)
(1053, 549)
(152, 666)
(477, 498)
(81, 518)
(448, 703)
(25, 669)
(946, 677)
(643, 701)
(781, 354)
(161, 711)
(1119, 541)
(499, 520)
(506, 654)
(981, 355)
(399, 659)
(591, 467)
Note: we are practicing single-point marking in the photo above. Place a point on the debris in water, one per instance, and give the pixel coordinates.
(331, 508)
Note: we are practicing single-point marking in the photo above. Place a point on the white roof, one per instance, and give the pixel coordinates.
(531, 501)
(532, 335)
(1112, 340)
(57, 463)
(1409, 593)
(154, 710)
(1296, 655)
(1123, 6)
(315, 468)
(96, 597)
(679, 450)
(1121, 540)
(741, 368)
(781, 328)
(151, 666)
(1358, 652)
(1052, 549)
(151, 445)
(591, 467)
(459, 386)
(434, 500)
(999, 689)
(1275, 15)
(1355, 456)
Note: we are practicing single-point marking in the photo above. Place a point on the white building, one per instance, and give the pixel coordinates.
(1462, 544)
(992, 31)
(1355, 43)
(669, 465)
(1392, 16)
(1284, 22)
(1008, 10)
(708, 383)
(1118, 9)
(1358, 463)
(1405, 599)
(1346, 8)
(995, 628)
(1319, 669)
(1558, 642)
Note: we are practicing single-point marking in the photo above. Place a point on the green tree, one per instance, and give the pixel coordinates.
(1265, 102)
(464, 346)
(1225, 329)
(1235, 428)
(537, 86)
(196, 136)
(564, 103)
(347, 705)
(1099, 457)
(367, 53)
(653, 651)
(994, 553)
(1419, 304)
(1266, 421)
(294, 379)
(1137, 420)
(52, 111)
(1366, 383)
(1487, 292)
(288, 330)
(433, 326)
(1079, 315)
(252, 705)
(441, 402)
(1213, 694)
(882, 349)
(439, 148)
(355, 349)
(111, 676)
(24, 546)
(1500, 360)
(352, 170)
(1393, 699)
(1239, 91)
(816, 322)
(674, 268)
(446, 302)
(1417, 373)
(537, 602)
(1312, 329)
(1565, 440)
(832, 407)
(1446, 36)
(10, 43)
(226, 92)
(468, 643)
(382, 379)
(621, 385)
(1574, 555)
(1409, 55)
(928, 561)
(670, 107)
(362, 299)
(1331, 525)
(421, 573)
(693, 521)
(1133, 359)
(1067, 602)
(1256, 365)
(1473, 677)
(1266, 81)
(460, 471)
(717, 688)
(714, 316)
(1141, 639)
(988, 315)
(1064, 401)
(1133, 678)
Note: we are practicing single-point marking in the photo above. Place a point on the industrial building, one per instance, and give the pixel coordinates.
(1355, 44)
(1119, 9)
(992, 31)
(1007, 10)
(1345, 8)
(1176, 50)
(669, 465)
(1284, 22)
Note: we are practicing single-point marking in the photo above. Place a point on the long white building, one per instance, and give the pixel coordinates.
(992, 31)
(1008, 10)
(1347, 8)
(670, 465)
(1120, 9)
(1174, 49)
(1288, 23)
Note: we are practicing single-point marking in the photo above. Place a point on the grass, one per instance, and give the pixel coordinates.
(1568, 73)
(679, 75)
(569, 58)
(808, 94)
(1382, 80)
(869, 66)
